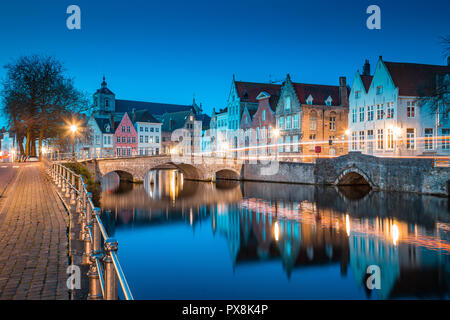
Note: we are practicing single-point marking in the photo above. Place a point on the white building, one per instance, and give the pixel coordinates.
(149, 132)
(101, 139)
(400, 110)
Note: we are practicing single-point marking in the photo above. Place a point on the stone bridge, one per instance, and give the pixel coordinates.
(135, 168)
(389, 174)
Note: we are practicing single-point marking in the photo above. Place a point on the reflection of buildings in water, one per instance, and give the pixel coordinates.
(164, 184)
(385, 244)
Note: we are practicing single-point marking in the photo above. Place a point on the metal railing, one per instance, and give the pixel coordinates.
(105, 271)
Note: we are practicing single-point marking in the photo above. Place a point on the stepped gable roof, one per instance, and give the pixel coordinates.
(248, 91)
(154, 108)
(413, 79)
(319, 92)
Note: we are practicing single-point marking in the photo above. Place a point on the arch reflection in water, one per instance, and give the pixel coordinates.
(112, 183)
(274, 241)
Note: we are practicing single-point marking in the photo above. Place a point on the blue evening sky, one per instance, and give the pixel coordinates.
(165, 51)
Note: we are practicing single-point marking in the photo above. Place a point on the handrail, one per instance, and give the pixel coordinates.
(105, 269)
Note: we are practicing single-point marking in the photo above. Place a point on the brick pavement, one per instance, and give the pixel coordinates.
(33, 239)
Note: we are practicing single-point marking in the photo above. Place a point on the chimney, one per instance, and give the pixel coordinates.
(448, 61)
(366, 68)
(133, 115)
(343, 93)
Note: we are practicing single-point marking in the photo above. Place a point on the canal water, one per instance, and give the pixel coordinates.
(182, 239)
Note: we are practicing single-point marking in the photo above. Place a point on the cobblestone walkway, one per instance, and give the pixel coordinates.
(33, 239)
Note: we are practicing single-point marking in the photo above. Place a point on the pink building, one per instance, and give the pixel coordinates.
(126, 138)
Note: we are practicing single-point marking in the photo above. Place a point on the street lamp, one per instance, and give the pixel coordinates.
(73, 130)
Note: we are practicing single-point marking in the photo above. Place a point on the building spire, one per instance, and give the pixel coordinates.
(104, 82)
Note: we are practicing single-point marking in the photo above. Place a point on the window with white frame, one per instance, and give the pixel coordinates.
(380, 139)
(288, 122)
(370, 113)
(333, 122)
(295, 144)
(361, 114)
(370, 140)
(288, 146)
(380, 111)
(446, 139)
(390, 110)
(428, 139)
(410, 139)
(411, 109)
(281, 123)
(390, 139)
(354, 115)
(354, 141)
(361, 140)
(296, 123)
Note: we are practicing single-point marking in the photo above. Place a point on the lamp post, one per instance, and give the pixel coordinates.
(73, 130)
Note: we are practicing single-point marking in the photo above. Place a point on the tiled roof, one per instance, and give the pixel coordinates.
(248, 91)
(144, 116)
(366, 80)
(174, 120)
(103, 123)
(205, 119)
(153, 107)
(319, 92)
(414, 79)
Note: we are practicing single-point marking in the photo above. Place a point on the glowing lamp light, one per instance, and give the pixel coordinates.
(347, 132)
(44, 150)
(276, 132)
(73, 128)
(347, 224)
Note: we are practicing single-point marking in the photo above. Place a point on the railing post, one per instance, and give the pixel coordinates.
(63, 181)
(79, 207)
(59, 176)
(95, 291)
(111, 284)
(68, 187)
(73, 191)
(86, 226)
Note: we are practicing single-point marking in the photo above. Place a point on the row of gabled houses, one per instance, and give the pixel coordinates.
(131, 128)
(401, 109)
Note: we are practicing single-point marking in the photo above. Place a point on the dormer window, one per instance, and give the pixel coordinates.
(309, 100)
(107, 128)
(106, 102)
(328, 101)
(357, 94)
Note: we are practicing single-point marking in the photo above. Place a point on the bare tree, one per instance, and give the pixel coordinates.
(37, 96)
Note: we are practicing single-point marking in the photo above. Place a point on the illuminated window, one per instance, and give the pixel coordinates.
(446, 139)
(390, 110)
(354, 141)
(410, 139)
(380, 112)
(390, 139)
(428, 139)
(333, 123)
(380, 138)
(370, 113)
(361, 140)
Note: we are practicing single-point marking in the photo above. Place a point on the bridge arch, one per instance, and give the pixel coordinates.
(123, 175)
(189, 171)
(353, 176)
(227, 174)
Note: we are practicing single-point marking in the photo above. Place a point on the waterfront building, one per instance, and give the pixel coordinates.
(312, 120)
(126, 138)
(400, 110)
(218, 131)
(172, 135)
(243, 95)
(149, 132)
(101, 138)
